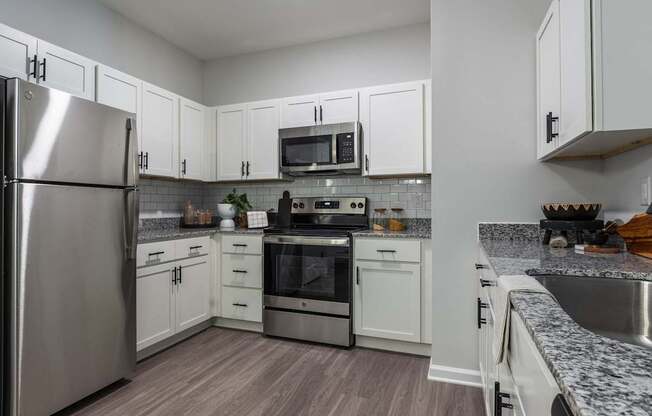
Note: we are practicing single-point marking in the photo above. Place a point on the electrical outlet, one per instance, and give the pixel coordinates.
(646, 190)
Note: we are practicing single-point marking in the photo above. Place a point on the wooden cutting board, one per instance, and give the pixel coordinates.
(637, 233)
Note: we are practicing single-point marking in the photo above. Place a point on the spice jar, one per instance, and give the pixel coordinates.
(396, 222)
(379, 219)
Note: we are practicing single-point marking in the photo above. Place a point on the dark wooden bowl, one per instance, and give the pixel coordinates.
(571, 212)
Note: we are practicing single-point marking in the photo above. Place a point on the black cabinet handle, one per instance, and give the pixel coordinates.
(498, 400)
(174, 276)
(242, 172)
(366, 163)
(240, 271)
(43, 64)
(357, 275)
(550, 120)
(479, 266)
(156, 253)
(481, 305)
(485, 283)
(321, 114)
(140, 160)
(33, 61)
(146, 160)
(195, 247)
(244, 305)
(183, 166)
(315, 114)
(179, 274)
(239, 245)
(247, 168)
(386, 251)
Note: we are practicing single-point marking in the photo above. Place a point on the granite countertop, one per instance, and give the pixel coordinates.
(409, 233)
(177, 233)
(597, 375)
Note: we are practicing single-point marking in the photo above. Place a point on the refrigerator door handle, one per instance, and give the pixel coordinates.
(132, 207)
(131, 154)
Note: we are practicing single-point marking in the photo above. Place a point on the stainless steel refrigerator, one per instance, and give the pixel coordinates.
(70, 216)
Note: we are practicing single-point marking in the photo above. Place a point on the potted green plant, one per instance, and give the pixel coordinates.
(240, 205)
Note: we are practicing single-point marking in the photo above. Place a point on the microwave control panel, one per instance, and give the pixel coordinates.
(345, 148)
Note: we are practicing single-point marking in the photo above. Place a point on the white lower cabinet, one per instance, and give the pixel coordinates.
(172, 296)
(242, 304)
(241, 268)
(389, 300)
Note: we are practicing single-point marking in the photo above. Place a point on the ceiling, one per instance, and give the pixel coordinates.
(210, 29)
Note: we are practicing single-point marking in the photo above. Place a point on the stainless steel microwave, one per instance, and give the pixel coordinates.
(325, 149)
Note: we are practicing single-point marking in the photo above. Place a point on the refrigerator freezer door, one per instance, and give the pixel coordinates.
(55, 137)
(72, 282)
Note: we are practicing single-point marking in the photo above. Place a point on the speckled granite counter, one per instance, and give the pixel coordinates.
(150, 236)
(598, 376)
(416, 228)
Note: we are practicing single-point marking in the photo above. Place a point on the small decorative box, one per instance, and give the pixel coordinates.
(257, 219)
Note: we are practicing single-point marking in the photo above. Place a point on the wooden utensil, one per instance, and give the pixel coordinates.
(637, 233)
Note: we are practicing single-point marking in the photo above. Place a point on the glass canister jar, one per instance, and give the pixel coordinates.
(396, 221)
(379, 219)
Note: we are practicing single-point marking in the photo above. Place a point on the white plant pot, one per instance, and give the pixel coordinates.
(227, 213)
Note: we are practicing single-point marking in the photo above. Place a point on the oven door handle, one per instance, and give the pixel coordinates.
(306, 241)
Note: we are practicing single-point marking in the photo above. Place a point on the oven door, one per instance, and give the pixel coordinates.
(308, 273)
(299, 154)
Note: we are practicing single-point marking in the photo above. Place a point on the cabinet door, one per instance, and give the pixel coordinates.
(262, 140)
(548, 81)
(193, 293)
(155, 314)
(426, 292)
(428, 122)
(231, 135)
(192, 122)
(300, 111)
(17, 50)
(160, 131)
(66, 71)
(393, 127)
(576, 79)
(387, 300)
(338, 107)
(116, 89)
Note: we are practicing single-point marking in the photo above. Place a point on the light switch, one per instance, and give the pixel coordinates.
(646, 189)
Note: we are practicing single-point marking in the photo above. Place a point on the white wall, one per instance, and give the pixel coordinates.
(92, 30)
(484, 157)
(394, 55)
(623, 175)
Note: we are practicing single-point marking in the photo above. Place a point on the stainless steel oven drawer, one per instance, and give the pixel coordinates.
(308, 327)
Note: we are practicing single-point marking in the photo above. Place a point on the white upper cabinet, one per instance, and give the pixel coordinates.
(18, 51)
(261, 151)
(393, 126)
(300, 111)
(66, 71)
(159, 132)
(231, 136)
(192, 130)
(590, 53)
(327, 108)
(117, 89)
(428, 122)
(548, 81)
(338, 107)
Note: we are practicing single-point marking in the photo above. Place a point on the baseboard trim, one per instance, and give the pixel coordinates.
(454, 375)
(393, 345)
(237, 324)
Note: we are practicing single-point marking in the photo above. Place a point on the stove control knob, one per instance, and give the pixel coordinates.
(352, 205)
(295, 205)
(301, 205)
(360, 205)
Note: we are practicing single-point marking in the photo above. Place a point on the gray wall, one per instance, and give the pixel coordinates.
(484, 157)
(623, 175)
(90, 29)
(363, 60)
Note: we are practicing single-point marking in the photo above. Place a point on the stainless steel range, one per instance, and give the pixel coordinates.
(308, 271)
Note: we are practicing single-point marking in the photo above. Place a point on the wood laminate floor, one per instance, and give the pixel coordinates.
(226, 372)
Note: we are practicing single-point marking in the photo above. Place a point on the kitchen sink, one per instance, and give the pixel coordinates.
(615, 308)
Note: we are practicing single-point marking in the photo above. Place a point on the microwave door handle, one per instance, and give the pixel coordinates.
(334, 150)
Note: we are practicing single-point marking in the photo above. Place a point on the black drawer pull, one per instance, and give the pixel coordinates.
(195, 247)
(239, 271)
(156, 253)
(239, 245)
(481, 320)
(485, 283)
(479, 266)
(386, 251)
(244, 305)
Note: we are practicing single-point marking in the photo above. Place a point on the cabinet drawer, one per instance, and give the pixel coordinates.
(388, 249)
(191, 247)
(150, 254)
(242, 244)
(242, 270)
(243, 304)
